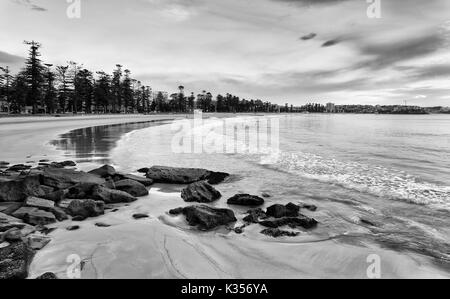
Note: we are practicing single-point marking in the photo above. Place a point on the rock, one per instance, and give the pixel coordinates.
(19, 168)
(48, 276)
(140, 216)
(39, 203)
(266, 195)
(9, 207)
(239, 230)
(131, 187)
(367, 222)
(100, 224)
(276, 233)
(59, 214)
(201, 192)
(207, 218)
(78, 218)
(301, 221)
(171, 175)
(37, 241)
(85, 208)
(44, 161)
(144, 181)
(143, 170)
(104, 172)
(39, 217)
(176, 211)
(72, 228)
(80, 191)
(246, 200)
(280, 211)
(12, 235)
(14, 261)
(3, 163)
(66, 178)
(308, 207)
(68, 164)
(110, 196)
(254, 216)
(20, 213)
(18, 189)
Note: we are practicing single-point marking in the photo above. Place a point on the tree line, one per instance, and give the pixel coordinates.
(43, 88)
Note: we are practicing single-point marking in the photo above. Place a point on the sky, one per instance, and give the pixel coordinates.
(284, 51)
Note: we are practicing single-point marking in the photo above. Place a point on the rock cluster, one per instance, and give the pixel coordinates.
(32, 198)
(173, 175)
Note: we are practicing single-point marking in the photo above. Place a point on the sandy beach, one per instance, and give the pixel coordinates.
(164, 246)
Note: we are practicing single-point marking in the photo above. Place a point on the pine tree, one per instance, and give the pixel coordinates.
(34, 75)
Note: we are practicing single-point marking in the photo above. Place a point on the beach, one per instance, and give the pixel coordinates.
(165, 246)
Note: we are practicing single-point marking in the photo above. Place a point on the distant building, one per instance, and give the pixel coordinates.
(331, 108)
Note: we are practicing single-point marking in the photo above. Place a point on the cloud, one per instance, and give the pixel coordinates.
(30, 5)
(6, 58)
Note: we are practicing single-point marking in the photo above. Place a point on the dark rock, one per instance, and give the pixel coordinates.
(12, 235)
(9, 207)
(100, 224)
(131, 187)
(80, 191)
(37, 241)
(14, 261)
(110, 196)
(239, 230)
(143, 170)
(104, 171)
(59, 214)
(140, 216)
(48, 276)
(3, 163)
(246, 200)
(171, 175)
(19, 167)
(110, 184)
(308, 207)
(207, 218)
(78, 218)
(266, 195)
(280, 211)
(72, 228)
(176, 211)
(85, 208)
(254, 216)
(55, 196)
(66, 178)
(301, 221)
(201, 192)
(367, 222)
(18, 189)
(144, 181)
(44, 161)
(68, 164)
(39, 217)
(276, 233)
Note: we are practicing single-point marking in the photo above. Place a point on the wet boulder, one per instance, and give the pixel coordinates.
(246, 200)
(9, 207)
(111, 196)
(131, 187)
(201, 192)
(66, 178)
(172, 175)
(17, 189)
(15, 260)
(280, 211)
(144, 181)
(39, 203)
(208, 218)
(85, 208)
(39, 217)
(105, 171)
(292, 222)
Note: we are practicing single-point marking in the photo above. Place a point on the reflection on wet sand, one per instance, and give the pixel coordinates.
(93, 144)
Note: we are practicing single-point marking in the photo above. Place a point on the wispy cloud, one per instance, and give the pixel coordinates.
(29, 4)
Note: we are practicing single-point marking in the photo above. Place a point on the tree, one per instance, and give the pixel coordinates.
(84, 87)
(5, 86)
(63, 89)
(102, 92)
(117, 89)
(127, 92)
(34, 75)
(50, 91)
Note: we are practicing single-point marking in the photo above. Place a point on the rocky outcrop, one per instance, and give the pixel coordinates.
(84, 208)
(14, 261)
(201, 192)
(246, 200)
(35, 216)
(110, 196)
(9, 207)
(206, 218)
(277, 233)
(132, 187)
(105, 171)
(280, 211)
(66, 178)
(172, 175)
(292, 222)
(17, 189)
(39, 203)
